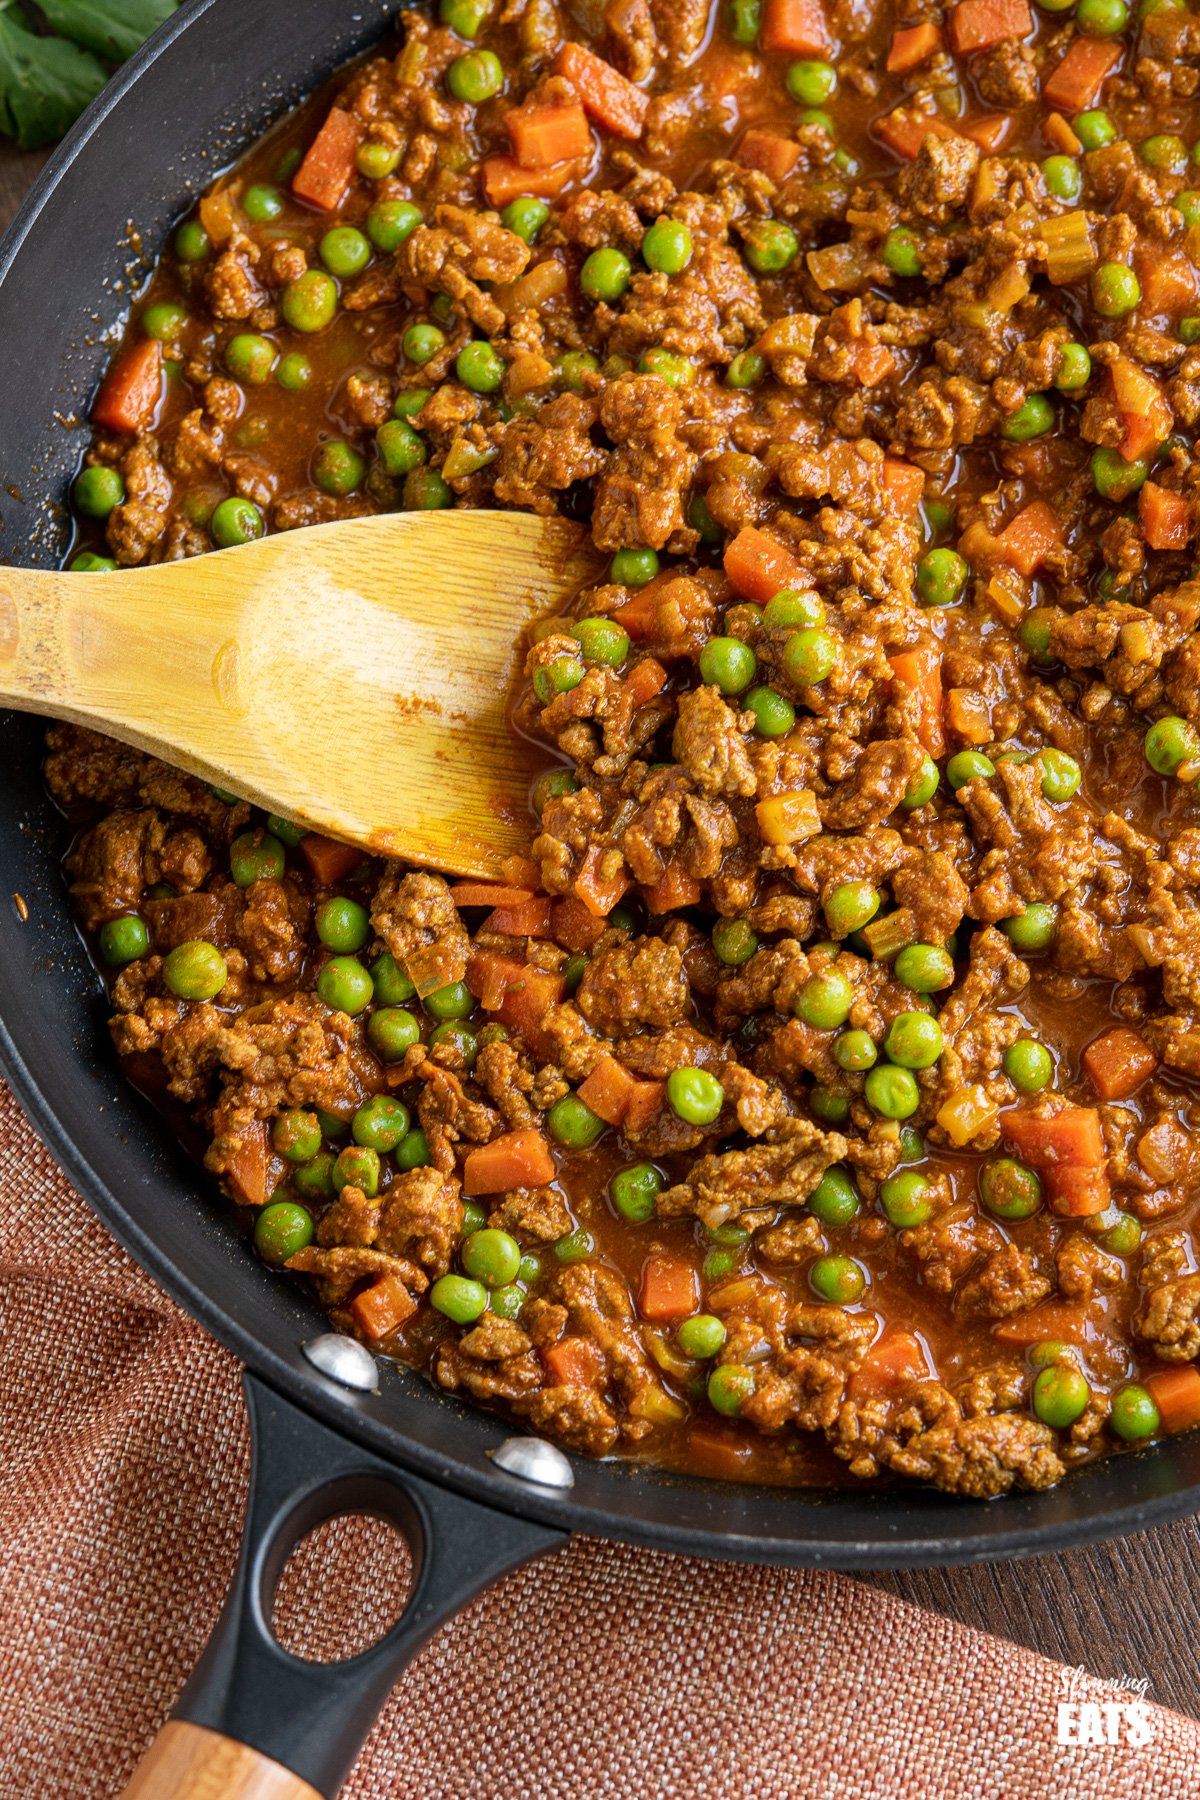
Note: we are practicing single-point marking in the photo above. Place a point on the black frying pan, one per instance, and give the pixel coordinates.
(203, 90)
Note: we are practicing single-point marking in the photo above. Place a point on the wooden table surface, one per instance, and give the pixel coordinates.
(1128, 1608)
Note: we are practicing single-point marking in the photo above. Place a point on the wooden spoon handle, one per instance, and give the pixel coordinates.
(189, 1762)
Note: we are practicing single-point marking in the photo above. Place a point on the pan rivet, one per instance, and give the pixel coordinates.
(533, 1459)
(343, 1359)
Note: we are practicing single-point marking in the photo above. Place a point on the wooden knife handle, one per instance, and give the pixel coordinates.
(189, 1762)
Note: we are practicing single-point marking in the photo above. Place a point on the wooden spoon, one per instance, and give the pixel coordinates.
(353, 677)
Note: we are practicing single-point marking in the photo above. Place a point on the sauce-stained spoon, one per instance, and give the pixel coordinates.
(354, 677)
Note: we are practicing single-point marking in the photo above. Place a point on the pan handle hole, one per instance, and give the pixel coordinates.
(343, 1588)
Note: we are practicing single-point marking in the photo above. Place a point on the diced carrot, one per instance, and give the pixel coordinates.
(489, 893)
(518, 993)
(602, 880)
(1065, 1321)
(773, 155)
(1176, 1393)
(795, 27)
(328, 860)
(873, 364)
(903, 483)
(247, 1166)
(574, 925)
(895, 1357)
(1060, 136)
(327, 169)
(522, 872)
(989, 130)
(982, 24)
(1076, 82)
(504, 179)
(575, 1362)
(530, 919)
(607, 1090)
(639, 616)
(381, 1308)
(1145, 410)
(1118, 1062)
(131, 391)
(518, 1159)
(1166, 517)
(905, 130)
(545, 136)
(1075, 1193)
(719, 1453)
(921, 669)
(1071, 1137)
(665, 614)
(645, 681)
(1028, 538)
(1168, 280)
(669, 1290)
(759, 566)
(614, 103)
(674, 889)
(913, 45)
(645, 1104)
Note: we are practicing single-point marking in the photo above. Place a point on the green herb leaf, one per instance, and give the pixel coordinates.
(45, 83)
(112, 28)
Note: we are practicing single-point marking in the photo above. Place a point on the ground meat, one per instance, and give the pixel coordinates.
(421, 1217)
(639, 983)
(1168, 1319)
(708, 742)
(420, 924)
(781, 1171)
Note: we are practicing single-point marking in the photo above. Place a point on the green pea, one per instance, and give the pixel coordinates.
(901, 251)
(256, 856)
(392, 985)
(925, 968)
(123, 940)
(839, 1280)
(770, 246)
(1061, 774)
(426, 490)
(892, 1091)
(810, 657)
(195, 970)
(744, 20)
(166, 321)
(727, 664)
(1060, 1393)
(357, 1166)
(492, 1257)
(550, 786)
(1028, 1065)
(474, 1217)
(1074, 368)
(675, 370)
(922, 787)
(88, 563)
(694, 1095)
(734, 941)
(774, 714)
(345, 251)
(336, 1128)
(912, 1144)
(1034, 928)
(390, 222)
(461, 1039)
(1188, 205)
(507, 1301)
(573, 1124)
(790, 608)
(1124, 1235)
(525, 216)
(98, 490)
(941, 577)
(855, 1051)
(475, 77)
(1113, 477)
(834, 1200)
(1094, 129)
(827, 1107)
(235, 521)
(1116, 290)
(338, 468)
(574, 366)
(192, 242)
(1009, 1189)
(746, 370)
(1166, 153)
(605, 275)
(701, 520)
(376, 160)
(633, 568)
(480, 367)
(667, 247)
(602, 641)
(310, 301)
(968, 765)
(464, 16)
(454, 1001)
(458, 1298)
(1101, 18)
(557, 677)
(906, 1199)
(392, 1032)
(729, 1387)
(633, 1192)
(851, 905)
(413, 1152)
(380, 1123)
(1063, 178)
(249, 357)
(400, 447)
(1134, 1414)
(423, 342)
(281, 1231)
(577, 1246)
(262, 203)
(314, 1180)
(296, 1136)
(701, 1336)
(410, 402)
(811, 83)
(825, 1000)
(294, 372)
(345, 986)
(817, 116)
(1171, 744)
(914, 1040)
(1032, 419)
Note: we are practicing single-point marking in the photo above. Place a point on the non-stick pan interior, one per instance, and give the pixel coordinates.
(218, 76)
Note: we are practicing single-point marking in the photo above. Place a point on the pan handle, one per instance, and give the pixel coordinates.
(256, 1723)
